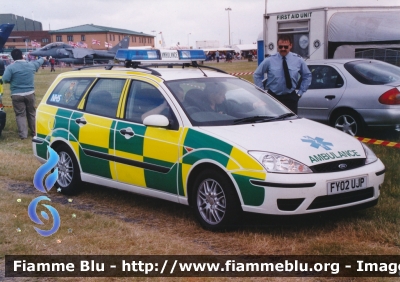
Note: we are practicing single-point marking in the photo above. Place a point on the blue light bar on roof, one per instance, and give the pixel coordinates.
(191, 55)
(159, 56)
(138, 55)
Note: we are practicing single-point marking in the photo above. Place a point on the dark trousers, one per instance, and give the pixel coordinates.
(24, 108)
(290, 100)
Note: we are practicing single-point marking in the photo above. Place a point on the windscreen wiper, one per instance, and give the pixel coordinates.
(261, 118)
(253, 119)
(284, 116)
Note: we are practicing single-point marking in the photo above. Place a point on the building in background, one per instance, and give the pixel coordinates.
(100, 37)
(25, 31)
(21, 23)
(28, 35)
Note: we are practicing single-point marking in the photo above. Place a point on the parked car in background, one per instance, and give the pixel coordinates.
(353, 95)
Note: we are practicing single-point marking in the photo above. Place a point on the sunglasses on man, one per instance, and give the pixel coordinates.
(283, 47)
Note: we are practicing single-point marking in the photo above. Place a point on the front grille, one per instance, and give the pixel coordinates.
(289, 204)
(341, 199)
(334, 166)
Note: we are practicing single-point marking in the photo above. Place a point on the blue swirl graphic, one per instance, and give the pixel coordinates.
(44, 169)
(54, 213)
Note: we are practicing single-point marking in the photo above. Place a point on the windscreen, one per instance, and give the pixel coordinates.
(224, 101)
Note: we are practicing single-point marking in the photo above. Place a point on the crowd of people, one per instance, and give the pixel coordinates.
(228, 56)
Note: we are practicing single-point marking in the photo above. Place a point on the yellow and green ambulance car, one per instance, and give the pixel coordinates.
(198, 137)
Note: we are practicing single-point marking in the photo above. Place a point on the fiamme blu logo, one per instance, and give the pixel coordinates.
(49, 181)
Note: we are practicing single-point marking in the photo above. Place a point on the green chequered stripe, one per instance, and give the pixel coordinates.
(164, 182)
(195, 139)
(135, 144)
(111, 137)
(252, 195)
(60, 133)
(206, 147)
(74, 127)
(93, 165)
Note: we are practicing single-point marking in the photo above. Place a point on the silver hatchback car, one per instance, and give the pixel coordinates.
(353, 95)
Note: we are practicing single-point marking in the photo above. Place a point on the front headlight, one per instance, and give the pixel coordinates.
(278, 163)
(371, 157)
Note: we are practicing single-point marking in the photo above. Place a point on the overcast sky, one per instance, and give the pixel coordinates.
(183, 21)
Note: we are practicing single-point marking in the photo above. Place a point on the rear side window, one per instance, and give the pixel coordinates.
(325, 77)
(373, 72)
(104, 97)
(69, 92)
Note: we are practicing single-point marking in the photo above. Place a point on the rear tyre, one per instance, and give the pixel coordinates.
(349, 122)
(214, 200)
(68, 171)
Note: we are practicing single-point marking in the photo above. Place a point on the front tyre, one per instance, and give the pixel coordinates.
(215, 201)
(68, 171)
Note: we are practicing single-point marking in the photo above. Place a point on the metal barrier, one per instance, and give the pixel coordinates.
(379, 142)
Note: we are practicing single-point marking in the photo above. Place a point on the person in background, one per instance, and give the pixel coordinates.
(52, 63)
(21, 75)
(283, 71)
(217, 56)
(3, 115)
(230, 58)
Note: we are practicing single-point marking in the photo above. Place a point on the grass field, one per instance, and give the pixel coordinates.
(100, 221)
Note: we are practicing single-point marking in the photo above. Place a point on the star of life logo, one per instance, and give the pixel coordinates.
(317, 142)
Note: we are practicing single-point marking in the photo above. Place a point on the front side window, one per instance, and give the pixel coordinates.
(373, 72)
(143, 100)
(224, 101)
(325, 77)
(69, 92)
(104, 97)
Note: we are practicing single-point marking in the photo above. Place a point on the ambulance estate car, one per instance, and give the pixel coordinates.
(198, 137)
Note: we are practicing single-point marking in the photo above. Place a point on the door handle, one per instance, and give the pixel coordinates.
(330, 97)
(127, 131)
(80, 121)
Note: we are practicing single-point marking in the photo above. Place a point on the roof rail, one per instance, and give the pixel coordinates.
(137, 65)
(110, 66)
(106, 66)
(183, 65)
